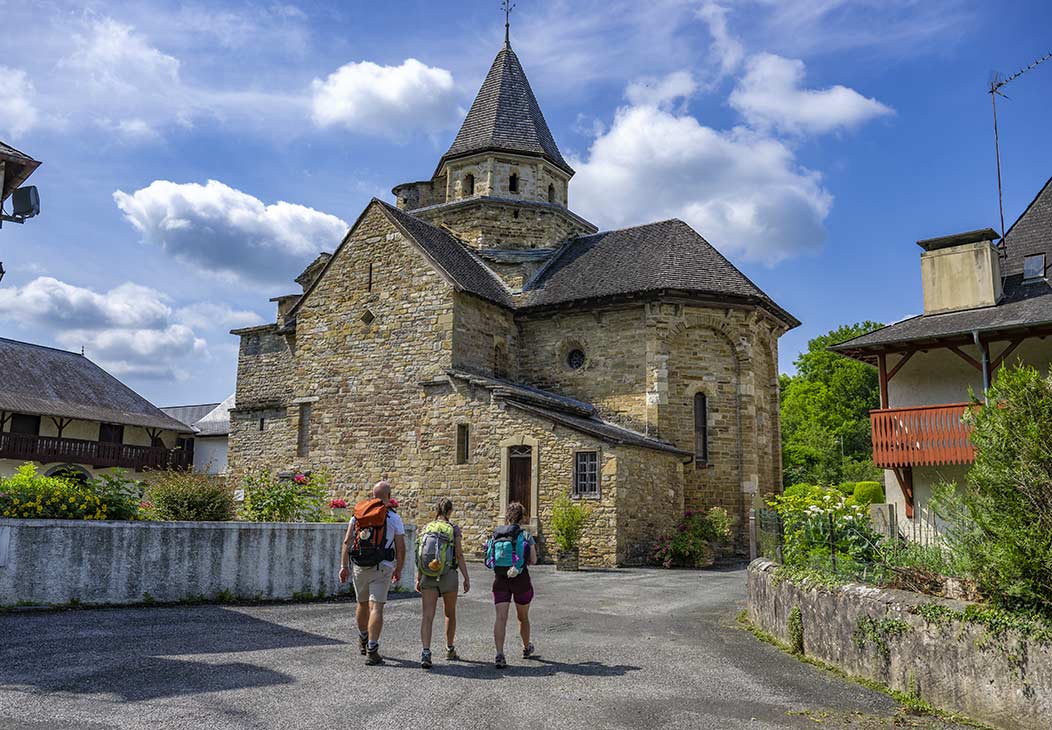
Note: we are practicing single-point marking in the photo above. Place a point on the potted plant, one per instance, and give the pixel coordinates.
(568, 519)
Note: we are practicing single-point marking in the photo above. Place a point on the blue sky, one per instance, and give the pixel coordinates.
(812, 142)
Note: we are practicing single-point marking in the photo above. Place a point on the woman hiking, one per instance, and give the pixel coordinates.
(441, 555)
(509, 552)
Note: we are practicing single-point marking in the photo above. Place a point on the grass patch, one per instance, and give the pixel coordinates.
(909, 701)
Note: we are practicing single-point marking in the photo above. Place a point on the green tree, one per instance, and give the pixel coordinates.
(825, 412)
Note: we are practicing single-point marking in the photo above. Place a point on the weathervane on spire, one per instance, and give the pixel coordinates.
(508, 6)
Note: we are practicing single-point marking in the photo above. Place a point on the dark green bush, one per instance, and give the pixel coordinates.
(846, 488)
(693, 543)
(183, 495)
(120, 494)
(867, 493)
(1001, 517)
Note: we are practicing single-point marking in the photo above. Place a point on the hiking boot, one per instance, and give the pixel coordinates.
(451, 654)
(500, 662)
(363, 644)
(425, 659)
(527, 651)
(372, 657)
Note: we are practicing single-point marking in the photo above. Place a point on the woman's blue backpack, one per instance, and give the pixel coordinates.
(506, 549)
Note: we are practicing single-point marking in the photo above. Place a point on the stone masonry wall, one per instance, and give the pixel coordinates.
(614, 375)
(492, 176)
(260, 432)
(490, 224)
(483, 334)
(649, 501)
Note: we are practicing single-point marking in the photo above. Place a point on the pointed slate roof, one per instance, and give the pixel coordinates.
(506, 116)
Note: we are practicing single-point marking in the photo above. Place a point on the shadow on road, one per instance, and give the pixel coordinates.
(534, 667)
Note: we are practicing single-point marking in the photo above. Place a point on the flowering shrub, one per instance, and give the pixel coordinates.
(691, 543)
(29, 495)
(816, 521)
(271, 499)
(118, 493)
(337, 503)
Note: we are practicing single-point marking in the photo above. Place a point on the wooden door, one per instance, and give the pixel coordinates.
(520, 473)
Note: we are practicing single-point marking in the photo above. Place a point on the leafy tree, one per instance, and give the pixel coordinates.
(825, 412)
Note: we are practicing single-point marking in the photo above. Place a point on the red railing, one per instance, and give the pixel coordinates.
(48, 449)
(921, 436)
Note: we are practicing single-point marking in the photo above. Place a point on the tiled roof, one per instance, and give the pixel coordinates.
(669, 255)
(19, 167)
(452, 256)
(1023, 305)
(569, 412)
(42, 380)
(506, 116)
(189, 414)
(208, 419)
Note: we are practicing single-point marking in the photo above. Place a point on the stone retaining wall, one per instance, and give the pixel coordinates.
(1005, 681)
(57, 562)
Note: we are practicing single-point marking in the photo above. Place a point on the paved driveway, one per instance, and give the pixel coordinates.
(622, 649)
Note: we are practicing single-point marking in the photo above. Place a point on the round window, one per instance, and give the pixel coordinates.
(575, 359)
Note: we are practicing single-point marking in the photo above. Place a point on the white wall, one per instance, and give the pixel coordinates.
(210, 454)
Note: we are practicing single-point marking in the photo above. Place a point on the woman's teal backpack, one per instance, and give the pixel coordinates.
(506, 549)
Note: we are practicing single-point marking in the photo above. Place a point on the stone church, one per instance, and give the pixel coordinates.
(481, 340)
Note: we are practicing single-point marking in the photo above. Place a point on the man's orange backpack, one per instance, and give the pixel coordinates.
(369, 547)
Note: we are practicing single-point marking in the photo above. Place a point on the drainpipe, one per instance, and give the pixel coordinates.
(986, 365)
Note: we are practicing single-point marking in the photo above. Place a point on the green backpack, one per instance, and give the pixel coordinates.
(435, 556)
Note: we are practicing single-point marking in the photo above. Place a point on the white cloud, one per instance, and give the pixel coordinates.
(129, 330)
(726, 50)
(661, 91)
(219, 229)
(18, 112)
(741, 189)
(770, 95)
(387, 100)
(210, 314)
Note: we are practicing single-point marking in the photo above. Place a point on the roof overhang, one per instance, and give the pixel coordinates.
(447, 158)
(17, 167)
(871, 353)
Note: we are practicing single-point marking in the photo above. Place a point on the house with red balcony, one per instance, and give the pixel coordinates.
(69, 416)
(987, 302)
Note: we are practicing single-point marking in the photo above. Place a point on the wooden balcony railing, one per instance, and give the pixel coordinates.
(48, 449)
(921, 436)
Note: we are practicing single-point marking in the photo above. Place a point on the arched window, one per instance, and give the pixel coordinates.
(500, 360)
(513, 183)
(469, 185)
(701, 430)
(551, 193)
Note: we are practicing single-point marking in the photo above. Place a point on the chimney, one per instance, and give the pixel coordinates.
(962, 271)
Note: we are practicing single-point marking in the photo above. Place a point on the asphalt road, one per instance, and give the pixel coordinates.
(620, 649)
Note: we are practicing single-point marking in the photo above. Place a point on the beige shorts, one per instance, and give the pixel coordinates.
(446, 583)
(372, 584)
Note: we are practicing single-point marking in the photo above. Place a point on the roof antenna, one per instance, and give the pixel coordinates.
(995, 90)
(508, 6)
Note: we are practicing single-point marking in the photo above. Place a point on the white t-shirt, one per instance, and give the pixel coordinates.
(395, 527)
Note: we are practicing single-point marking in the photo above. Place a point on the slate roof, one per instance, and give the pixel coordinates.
(217, 421)
(506, 116)
(1024, 305)
(569, 412)
(452, 256)
(19, 167)
(42, 380)
(189, 415)
(663, 256)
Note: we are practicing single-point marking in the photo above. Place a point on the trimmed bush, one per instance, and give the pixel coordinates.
(846, 488)
(867, 493)
(187, 496)
(568, 518)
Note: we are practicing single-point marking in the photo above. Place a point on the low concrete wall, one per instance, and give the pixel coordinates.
(1004, 681)
(62, 561)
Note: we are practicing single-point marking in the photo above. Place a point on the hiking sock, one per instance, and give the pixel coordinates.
(373, 645)
(364, 635)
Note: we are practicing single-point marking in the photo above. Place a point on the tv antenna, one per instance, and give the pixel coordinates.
(995, 91)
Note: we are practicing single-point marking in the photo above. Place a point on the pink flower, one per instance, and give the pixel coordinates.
(300, 479)
(338, 503)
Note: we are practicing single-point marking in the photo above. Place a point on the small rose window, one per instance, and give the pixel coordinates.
(575, 359)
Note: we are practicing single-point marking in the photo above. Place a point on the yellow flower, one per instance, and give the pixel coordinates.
(72, 499)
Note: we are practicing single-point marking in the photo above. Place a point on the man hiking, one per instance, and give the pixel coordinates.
(375, 544)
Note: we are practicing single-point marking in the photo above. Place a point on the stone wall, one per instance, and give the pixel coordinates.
(488, 223)
(1005, 681)
(650, 499)
(613, 377)
(492, 176)
(484, 338)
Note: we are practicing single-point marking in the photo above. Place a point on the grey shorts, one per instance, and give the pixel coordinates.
(372, 584)
(448, 582)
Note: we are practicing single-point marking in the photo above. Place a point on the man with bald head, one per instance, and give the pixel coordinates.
(371, 582)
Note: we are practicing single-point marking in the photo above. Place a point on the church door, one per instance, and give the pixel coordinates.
(520, 465)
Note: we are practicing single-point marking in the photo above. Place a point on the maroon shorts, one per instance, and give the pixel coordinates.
(518, 588)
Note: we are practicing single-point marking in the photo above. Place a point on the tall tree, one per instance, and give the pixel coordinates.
(825, 411)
